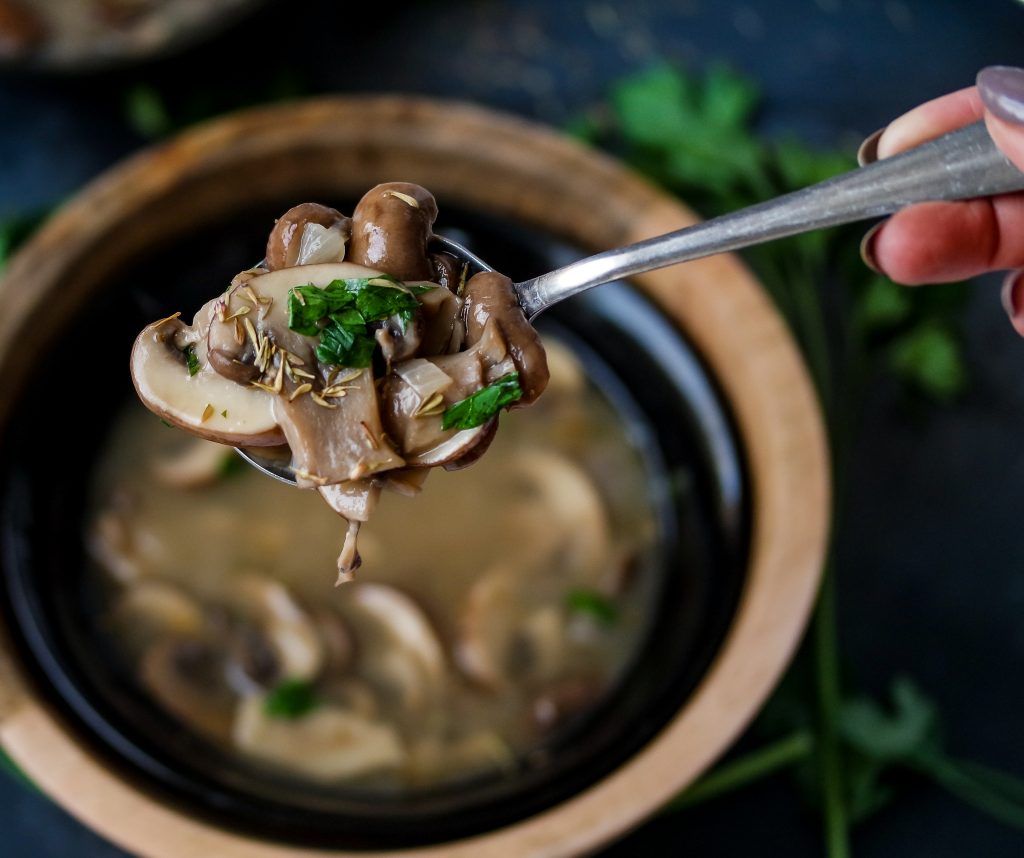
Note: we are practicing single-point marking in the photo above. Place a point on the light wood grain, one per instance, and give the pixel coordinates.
(510, 169)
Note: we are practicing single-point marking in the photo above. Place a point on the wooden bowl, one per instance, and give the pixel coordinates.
(511, 171)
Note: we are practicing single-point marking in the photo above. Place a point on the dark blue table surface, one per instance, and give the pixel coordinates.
(931, 548)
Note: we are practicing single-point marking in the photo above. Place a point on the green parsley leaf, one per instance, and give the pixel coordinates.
(191, 360)
(146, 111)
(909, 728)
(341, 312)
(479, 407)
(929, 358)
(593, 604)
(883, 305)
(343, 346)
(290, 700)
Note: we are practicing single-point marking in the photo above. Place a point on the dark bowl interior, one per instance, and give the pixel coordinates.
(658, 382)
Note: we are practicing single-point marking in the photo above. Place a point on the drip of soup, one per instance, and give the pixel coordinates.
(500, 604)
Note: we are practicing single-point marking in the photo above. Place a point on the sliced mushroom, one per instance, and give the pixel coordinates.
(349, 559)
(149, 610)
(339, 440)
(205, 403)
(473, 454)
(252, 663)
(400, 652)
(338, 641)
(328, 744)
(405, 481)
(353, 499)
(503, 636)
(198, 464)
(561, 510)
(414, 416)
(491, 298)
(439, 313)
(287, 626)
(111, 543)
(186, 677)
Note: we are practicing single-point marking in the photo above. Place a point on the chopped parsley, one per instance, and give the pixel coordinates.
(290, 700)
(594, 605)
(191, 361)
(340, 313)
(479, 407)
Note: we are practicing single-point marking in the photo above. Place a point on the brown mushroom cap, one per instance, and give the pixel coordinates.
(391, 226)
(491, 298)
(284, 241)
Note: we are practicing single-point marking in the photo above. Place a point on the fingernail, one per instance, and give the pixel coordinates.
(1002, 91)
(867, 247)
(1011, 294)
(868, 151)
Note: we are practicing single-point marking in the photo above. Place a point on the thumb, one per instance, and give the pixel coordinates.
(1002, 93)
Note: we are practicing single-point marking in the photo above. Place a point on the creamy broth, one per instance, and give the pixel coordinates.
(494, 608)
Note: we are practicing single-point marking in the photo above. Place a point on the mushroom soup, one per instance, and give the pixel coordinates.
(503, 603)
(356, 348)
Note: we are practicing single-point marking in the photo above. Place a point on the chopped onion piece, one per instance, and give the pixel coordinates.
(424, 377)
(320, 244)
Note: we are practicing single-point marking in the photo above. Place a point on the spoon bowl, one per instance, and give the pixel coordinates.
(963, 164)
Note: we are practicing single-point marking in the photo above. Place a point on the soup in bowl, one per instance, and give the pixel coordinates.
(494, 607)
(537, 652)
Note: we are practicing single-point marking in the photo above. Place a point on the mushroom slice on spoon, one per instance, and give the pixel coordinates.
(176, 382)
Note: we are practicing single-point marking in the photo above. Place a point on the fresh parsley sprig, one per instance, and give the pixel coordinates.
(341, 312)
(696, 136)
(291, 700)
(593, 604)
(480, 406)
(191, 361)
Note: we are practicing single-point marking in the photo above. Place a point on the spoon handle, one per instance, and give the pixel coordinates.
(960, 165)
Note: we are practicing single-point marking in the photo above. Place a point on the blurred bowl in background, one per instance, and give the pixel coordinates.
(707, 361)
(87, 35)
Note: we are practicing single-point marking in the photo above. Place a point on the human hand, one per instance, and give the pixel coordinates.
(937, 242)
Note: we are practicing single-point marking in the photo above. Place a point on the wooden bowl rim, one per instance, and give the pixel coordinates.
(478, 157)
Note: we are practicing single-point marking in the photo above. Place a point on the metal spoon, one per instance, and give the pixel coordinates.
(961, 165)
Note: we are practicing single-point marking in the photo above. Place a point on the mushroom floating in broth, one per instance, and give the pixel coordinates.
(495, 620)
(368, 356)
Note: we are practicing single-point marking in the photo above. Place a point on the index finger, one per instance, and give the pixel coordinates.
(930, 120)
